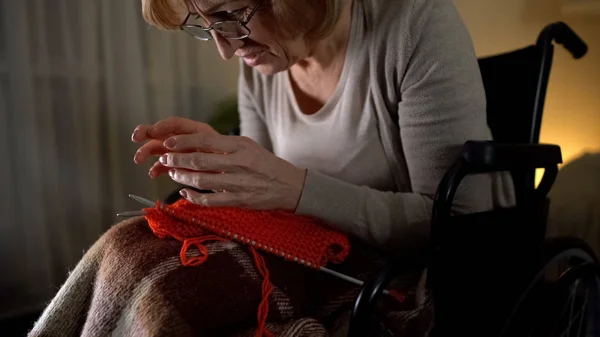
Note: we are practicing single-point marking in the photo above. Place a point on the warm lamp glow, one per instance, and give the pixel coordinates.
(570, 152)
(572, 122)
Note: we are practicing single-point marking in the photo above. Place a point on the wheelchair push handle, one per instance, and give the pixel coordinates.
(563, 34)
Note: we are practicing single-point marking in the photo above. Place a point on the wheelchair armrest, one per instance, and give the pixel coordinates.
(490, 156)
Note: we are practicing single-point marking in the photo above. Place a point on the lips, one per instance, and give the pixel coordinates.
(254, 58)
(248, 53)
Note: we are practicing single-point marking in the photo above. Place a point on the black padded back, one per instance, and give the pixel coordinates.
(512, 82)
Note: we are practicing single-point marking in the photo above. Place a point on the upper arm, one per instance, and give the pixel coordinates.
(442, 102)
(252, 121)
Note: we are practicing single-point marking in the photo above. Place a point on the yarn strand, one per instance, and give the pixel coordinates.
(199, 244)
(267, 288)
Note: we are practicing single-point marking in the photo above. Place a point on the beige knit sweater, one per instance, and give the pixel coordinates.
(410, 95)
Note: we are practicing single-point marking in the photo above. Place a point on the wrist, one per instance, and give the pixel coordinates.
(297, 188)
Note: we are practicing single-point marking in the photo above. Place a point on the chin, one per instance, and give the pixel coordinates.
(269, 69)
(271, 65)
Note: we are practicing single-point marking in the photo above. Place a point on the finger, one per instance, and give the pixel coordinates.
(140, 133)
(205, 141)
(177, 126)
(167, 128)
(226, 199)
(151, 148)
(157, 170)
(202, 180)
(199, 161)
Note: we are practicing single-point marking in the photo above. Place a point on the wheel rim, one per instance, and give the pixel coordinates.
(561, 286)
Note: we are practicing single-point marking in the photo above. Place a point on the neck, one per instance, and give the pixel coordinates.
(328, 52)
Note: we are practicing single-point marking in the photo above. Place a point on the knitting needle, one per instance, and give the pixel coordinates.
(344, 277)
(130, 214)
(142, 201)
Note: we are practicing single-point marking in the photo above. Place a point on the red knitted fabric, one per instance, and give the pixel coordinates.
(295, 238)
(301, 239)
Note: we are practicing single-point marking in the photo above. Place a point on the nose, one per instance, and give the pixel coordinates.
(226, 47)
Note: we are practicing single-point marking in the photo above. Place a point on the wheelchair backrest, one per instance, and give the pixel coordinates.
(511, 82)
(515, 86)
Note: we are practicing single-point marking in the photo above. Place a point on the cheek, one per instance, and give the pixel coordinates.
(262, 34)
(267, 42)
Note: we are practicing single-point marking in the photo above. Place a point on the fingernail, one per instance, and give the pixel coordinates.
(136, 157)
(170, 143)
(135, 133)
(163, 159)
(172, 173)
(183, 193)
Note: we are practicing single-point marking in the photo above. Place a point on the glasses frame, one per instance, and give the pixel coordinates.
(211, 27)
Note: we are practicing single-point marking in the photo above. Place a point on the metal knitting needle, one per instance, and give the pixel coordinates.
(344, 277)
(130, 214)
(142, 201)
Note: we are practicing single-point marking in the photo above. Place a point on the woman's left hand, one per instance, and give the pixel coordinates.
(249, 175)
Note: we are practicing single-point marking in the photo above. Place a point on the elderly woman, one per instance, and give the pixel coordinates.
(351, 112)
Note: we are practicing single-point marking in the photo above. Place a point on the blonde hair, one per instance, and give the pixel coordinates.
(313, 18)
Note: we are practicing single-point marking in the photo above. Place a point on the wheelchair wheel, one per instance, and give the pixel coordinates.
(564, 297)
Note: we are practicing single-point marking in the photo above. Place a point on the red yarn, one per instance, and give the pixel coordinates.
(295, 238)
(267, 288)
(398, 296)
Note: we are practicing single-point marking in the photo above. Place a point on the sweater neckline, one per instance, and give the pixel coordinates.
(334, 99)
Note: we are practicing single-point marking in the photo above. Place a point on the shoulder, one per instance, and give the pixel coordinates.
(411, 38)
(407, 18)
(401, 27)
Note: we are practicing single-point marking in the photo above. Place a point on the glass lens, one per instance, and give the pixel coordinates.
(230, 29)
(197, 32)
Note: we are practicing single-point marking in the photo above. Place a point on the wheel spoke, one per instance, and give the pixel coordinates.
(579, 313)
(572, 300)
(587, 294)
(566, 333)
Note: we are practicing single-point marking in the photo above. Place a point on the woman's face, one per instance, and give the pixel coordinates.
(264, 50)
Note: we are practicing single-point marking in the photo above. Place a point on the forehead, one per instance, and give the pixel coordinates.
(209, 6)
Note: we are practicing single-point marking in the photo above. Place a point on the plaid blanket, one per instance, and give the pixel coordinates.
(131, 283)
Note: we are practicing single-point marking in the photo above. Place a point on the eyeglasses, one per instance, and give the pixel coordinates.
(230, 29)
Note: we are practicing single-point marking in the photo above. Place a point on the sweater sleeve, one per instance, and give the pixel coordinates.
(442, 105)
(252, 122)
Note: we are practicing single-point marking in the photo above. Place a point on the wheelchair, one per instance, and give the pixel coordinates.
(511, 280)
(519, 283)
